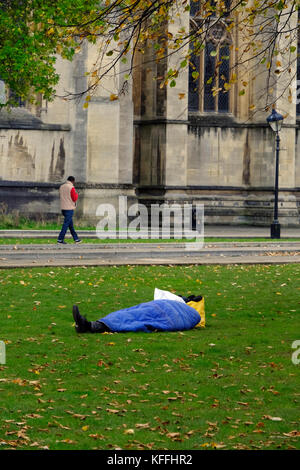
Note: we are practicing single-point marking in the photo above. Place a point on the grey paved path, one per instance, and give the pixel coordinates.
(91, 254)
(218, 231)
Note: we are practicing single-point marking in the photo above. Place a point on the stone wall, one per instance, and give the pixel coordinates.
(241, 155)
(36, 200)
(230, 168)
(34, 155)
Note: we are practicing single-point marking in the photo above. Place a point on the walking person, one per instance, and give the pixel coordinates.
(68, 199)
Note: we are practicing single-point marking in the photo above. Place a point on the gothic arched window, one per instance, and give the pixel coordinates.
(7, 94)
(209, 70)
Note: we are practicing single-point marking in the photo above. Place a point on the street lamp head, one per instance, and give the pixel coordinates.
(275, 120)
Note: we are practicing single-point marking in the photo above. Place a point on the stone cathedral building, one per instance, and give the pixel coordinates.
(154, 144)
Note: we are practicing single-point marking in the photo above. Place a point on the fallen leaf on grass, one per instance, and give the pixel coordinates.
(129, 431)
(217, 446)
(20, 382)
(61, 425)
(97, 436)
(142, 425)
(294, 433)
(173, 435)
(101, 363)
(77, 415)
(10, 443)
(68, 441)
(33, 415)
(213, 425)
(272, 418)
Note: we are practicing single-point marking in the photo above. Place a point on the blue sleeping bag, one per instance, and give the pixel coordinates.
(162, 315)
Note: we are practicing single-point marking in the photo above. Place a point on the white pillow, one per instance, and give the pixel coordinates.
(164, 294)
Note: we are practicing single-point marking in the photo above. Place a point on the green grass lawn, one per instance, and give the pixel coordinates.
(231, 385)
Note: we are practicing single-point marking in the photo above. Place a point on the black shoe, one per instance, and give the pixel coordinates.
(77, 241)
(82, 325)
(61, 242)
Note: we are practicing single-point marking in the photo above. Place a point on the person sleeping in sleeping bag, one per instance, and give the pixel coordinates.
(161, 314)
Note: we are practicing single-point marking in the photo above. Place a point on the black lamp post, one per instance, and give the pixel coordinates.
(275, 120)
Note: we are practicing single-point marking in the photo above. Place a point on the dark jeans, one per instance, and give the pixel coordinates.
(68, 223)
